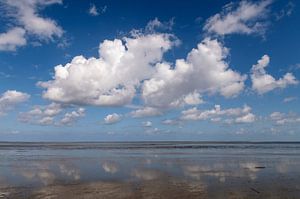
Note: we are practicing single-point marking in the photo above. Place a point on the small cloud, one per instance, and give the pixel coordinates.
(64, 43)
(289, 99)
(12, 39)
(94, 11)
(240, 131)
(153, 131)
(5, 75)
(155, 24)
(147, 124)
(10, 99)
(198, 20)
(240, 115)
(47, 115)
(71, 117)
(286, 11)
(171, 122)
(146, 112)
(103, 9)
(294, 67)
(112, 118)
(284, 118)
(15, 132)
(244, 17)
(262, 82)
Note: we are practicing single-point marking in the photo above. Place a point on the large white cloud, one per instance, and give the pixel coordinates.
(111, 79)
(10, 99)
(123, 66)
(231, 115)
(203, 71)
(12, 39)
(246, 18)
(263, 82)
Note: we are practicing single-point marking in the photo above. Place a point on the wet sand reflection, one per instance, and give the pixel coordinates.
(150, 173)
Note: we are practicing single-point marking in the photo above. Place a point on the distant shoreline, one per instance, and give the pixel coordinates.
(170, 141)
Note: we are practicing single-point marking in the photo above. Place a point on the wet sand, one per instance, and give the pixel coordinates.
(201, 171)
(154, 189)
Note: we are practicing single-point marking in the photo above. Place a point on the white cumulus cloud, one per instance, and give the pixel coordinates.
(10, 99)
(26, 14)
(42, 115)
(12, 39)
(284, 118)
(245, 18)
(51, 114)
(147, 124)
(27, 22)
(112, 118)
(111, 79)
(231, 115)
(203, 71)
(262, 82)
(71, 117)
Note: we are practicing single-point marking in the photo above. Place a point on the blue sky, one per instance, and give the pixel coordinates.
(149, 70)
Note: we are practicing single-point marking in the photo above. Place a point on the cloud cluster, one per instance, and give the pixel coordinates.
(47, 115)
(12, 39)
(134, 66)
(231, 115)
(10, 99)
(262, 82)
(71, 117)
(203, 71)
(28, 22)
(245, 18)
(283, 118)
(111, 79)
(42, 115)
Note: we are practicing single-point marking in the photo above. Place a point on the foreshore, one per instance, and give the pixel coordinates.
(150, 171)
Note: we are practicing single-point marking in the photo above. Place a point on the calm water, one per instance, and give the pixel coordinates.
(219, 168)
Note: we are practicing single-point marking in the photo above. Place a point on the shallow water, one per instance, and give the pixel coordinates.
(150, 170)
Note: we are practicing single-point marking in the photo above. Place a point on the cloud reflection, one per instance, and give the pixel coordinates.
(110, 167)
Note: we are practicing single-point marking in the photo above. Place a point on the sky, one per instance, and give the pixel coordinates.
(149, 70)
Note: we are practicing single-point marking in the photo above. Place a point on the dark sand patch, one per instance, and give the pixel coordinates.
(151, 189)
